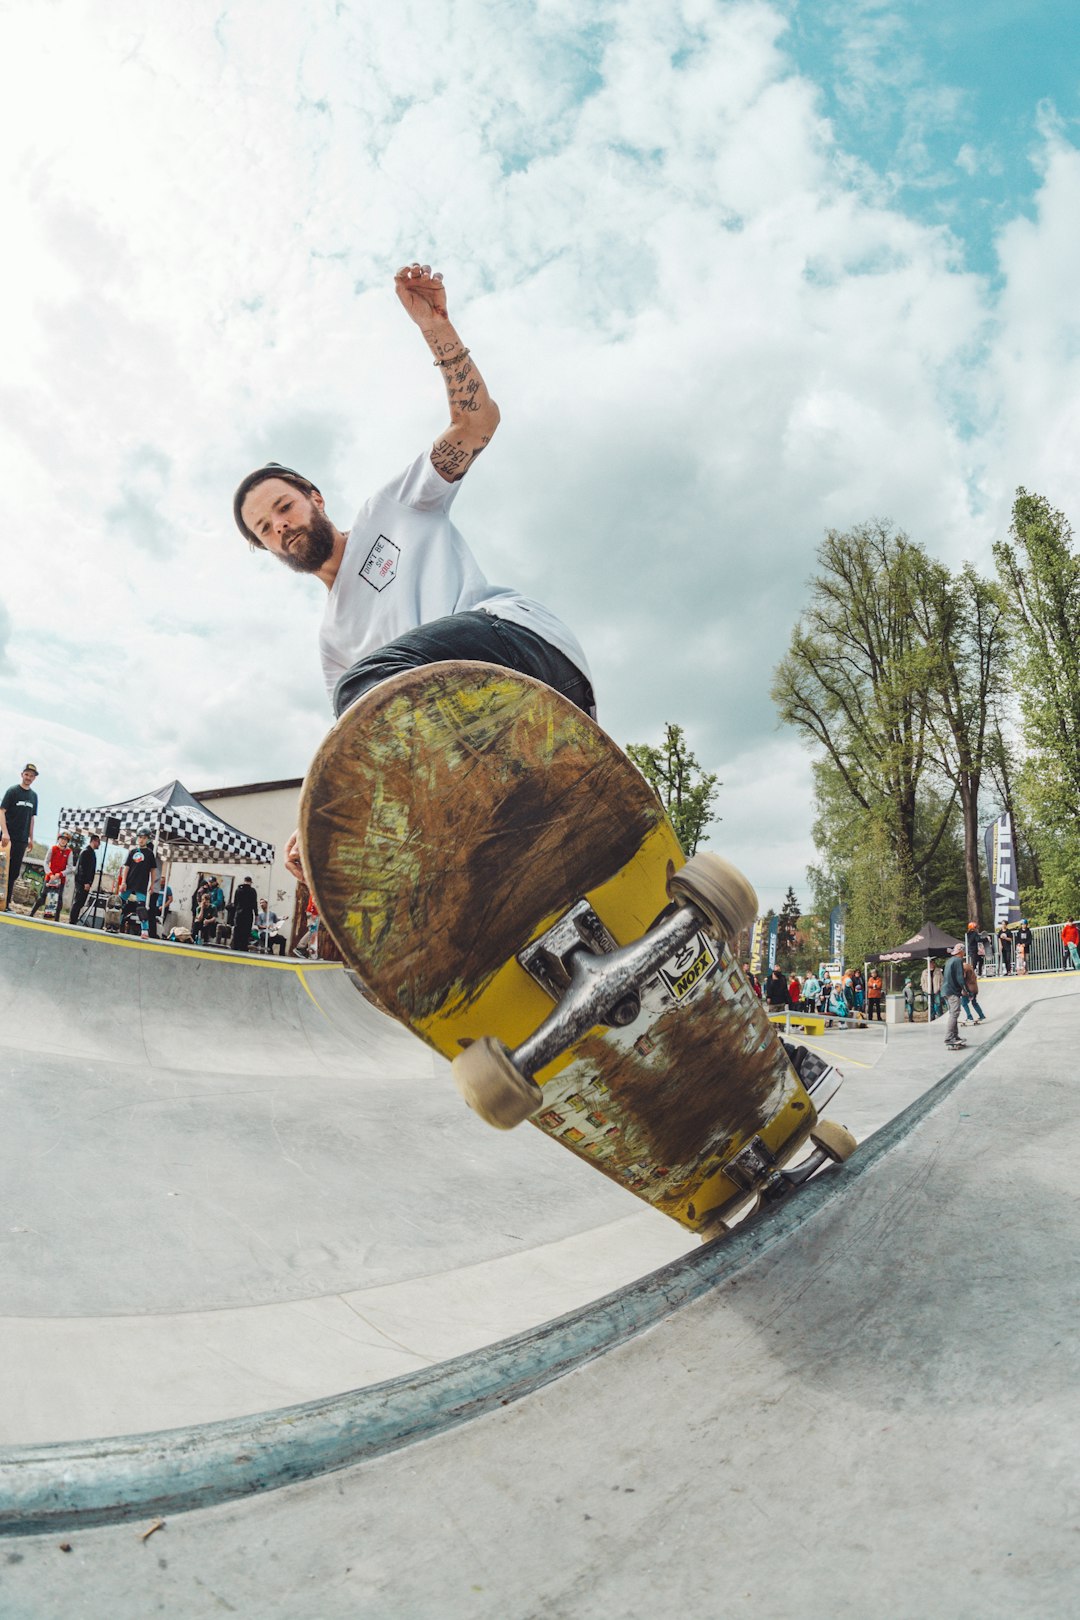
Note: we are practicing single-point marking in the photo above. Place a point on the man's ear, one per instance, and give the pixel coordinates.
(317, 500)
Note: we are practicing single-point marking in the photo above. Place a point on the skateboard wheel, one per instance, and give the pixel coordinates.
(834, 1140)
(485, 1075)
(713, 1227)
(719, 891)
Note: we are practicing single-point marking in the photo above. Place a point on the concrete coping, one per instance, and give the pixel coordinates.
(64, 1486)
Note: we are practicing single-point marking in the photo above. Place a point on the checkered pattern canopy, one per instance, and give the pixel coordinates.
(189, 831)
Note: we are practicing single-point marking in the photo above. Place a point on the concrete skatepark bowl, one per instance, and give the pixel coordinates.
(229, 1185)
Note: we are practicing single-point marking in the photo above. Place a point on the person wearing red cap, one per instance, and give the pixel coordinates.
(403, 587)
(56, 865)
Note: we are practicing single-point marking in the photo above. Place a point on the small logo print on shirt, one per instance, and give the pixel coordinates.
(382, 563)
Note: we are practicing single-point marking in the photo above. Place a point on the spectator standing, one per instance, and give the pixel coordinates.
(970, 996)
(825, 992)
(873, 995)
(56, 865)
(1070, 945)
(85, 873)
(777, 993)
(245, 905)
(971, 944)
(858, 984)
(1005, 948)
(1023, 946)
(811, 990)
(752, 980)
(984, 941)
(309, 945)
(18, 808)
(931, 987)
(909, 1000)
(160, 905)
(795, 990)
(953, 988)
(136, 882)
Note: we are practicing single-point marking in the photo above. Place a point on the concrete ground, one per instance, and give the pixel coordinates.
(865, 1404)
(230, 1184)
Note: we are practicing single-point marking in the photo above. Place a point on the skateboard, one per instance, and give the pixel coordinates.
(4, 868)
(507, 884)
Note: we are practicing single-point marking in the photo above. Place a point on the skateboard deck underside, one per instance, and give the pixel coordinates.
(455, 814)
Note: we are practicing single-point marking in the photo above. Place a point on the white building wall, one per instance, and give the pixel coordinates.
(267, 811)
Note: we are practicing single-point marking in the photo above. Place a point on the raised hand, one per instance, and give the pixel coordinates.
(422, 294)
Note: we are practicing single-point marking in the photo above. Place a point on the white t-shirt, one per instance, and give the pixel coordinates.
(406, 564)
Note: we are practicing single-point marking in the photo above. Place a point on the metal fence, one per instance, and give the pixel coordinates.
(1047, 954)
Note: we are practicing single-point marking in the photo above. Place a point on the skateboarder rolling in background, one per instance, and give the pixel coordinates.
(404, 588)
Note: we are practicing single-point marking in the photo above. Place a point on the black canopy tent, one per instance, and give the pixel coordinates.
(181, 828)
(930, 941)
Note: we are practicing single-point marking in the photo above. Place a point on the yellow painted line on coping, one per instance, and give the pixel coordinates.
(170, 948)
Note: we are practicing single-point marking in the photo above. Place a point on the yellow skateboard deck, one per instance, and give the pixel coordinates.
(454, 817)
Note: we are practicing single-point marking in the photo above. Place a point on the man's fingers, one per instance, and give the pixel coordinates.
(294, 860)
(418, 272)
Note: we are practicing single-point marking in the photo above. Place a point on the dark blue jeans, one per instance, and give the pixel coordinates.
(478, 637)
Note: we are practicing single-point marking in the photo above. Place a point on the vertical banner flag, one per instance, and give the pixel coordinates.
(757, 944)
(774, 930)
(836, 933)
(1001, 870)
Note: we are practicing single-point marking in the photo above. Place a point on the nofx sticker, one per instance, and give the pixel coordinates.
(382, 563)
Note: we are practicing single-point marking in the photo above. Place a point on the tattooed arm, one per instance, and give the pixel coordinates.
(474, 415)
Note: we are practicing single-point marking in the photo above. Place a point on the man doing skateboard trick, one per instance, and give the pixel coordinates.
(404, 588)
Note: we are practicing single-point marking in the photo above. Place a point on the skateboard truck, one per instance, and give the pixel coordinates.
(497, 1083)
(562, 960)
(754, 1167)
(600, 984)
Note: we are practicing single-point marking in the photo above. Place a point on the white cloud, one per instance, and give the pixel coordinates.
(710, 337)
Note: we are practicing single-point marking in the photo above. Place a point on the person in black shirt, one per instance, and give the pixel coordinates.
(136, 880)
(245, 904)
(18, 808)
(1023, 946)
(85, 872)
(777, 993)
(1005, 948)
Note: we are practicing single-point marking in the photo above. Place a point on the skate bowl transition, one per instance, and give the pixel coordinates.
(215, 1174)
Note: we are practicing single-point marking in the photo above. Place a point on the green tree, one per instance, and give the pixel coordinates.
(787, 938)
(880, 908)
(688, 792)
(1041, 574)
(855, 679)
(962, 619)
(858, 866)
(813, 942)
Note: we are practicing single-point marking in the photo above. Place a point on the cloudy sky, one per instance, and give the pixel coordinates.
(736, 273)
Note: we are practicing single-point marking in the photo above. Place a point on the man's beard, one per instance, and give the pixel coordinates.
(310, 547)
